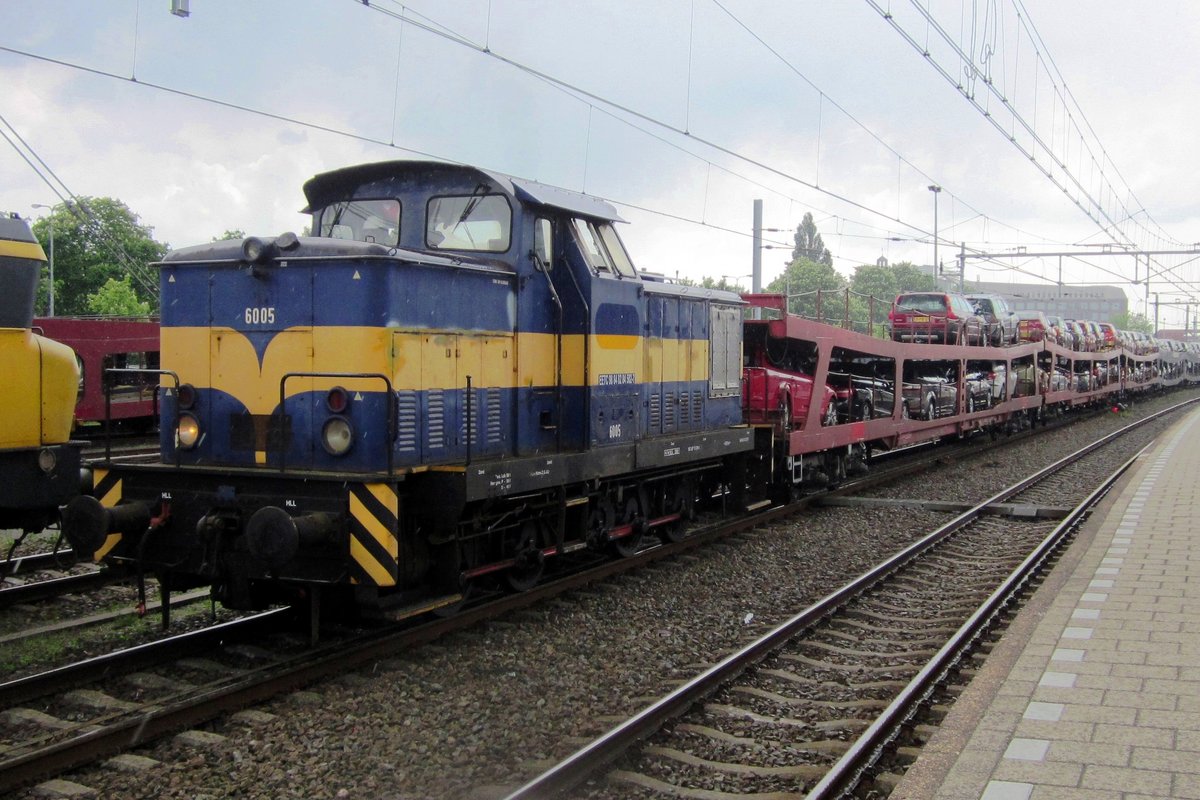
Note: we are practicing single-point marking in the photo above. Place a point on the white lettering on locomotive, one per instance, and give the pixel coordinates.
(259, 316)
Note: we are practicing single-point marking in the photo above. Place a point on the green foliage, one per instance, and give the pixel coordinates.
(809, 244)
(801, 282)
(117, 298)
(883, 283)
(97, 239)
(710, 283)
(1132, 321)
(227, 235)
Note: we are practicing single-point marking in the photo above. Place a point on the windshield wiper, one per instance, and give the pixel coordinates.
(476, 196)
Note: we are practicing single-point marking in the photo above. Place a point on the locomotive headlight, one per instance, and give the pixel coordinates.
(188, 432)
(337, 435)
(47, 460)
(254, 250)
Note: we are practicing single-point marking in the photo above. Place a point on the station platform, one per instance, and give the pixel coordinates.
(1093, 692)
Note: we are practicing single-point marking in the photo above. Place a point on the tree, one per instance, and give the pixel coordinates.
(97, 239)
(809, 244)
(883, 282)
(1131, 321)
(227, 235)
(711, 283)
(117, 298)
(802, 280)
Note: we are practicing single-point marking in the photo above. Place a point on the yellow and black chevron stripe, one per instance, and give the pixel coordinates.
(108, 491)
(374, 526)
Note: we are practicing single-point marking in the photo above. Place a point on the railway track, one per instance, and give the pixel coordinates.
(806, 710)
(117, 727)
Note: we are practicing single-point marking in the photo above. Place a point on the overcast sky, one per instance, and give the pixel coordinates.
(776, 98)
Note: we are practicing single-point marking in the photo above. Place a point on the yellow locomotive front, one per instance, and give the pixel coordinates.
(39, 466)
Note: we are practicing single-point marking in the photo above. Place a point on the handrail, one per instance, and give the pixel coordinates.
(108, 403)
(389, 440)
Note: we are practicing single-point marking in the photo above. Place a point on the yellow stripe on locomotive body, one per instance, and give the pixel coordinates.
(225, 360)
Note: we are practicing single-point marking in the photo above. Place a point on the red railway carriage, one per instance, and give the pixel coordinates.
(103, 343)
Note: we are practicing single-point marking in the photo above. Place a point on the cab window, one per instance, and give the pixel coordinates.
(602, 248)
(479, 222)
(543, 243)
(369, 220)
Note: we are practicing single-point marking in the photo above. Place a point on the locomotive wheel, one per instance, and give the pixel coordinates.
(601, 518)
(680, 499)
(631, 512)
(531, 563)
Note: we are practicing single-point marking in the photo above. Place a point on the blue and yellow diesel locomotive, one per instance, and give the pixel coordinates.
(458, 375)
(39, 465)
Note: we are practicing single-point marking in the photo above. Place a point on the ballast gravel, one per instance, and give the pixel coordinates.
(476, 714)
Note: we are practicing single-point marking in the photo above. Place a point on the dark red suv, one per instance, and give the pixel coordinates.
(943, 317)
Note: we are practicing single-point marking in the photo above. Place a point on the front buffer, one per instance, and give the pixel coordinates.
(255, 539)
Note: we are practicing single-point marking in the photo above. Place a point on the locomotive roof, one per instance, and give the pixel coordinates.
(15, 229)
(336, 184)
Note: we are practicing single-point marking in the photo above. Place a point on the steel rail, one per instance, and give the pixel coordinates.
(567, 774)
(264, 683)
(20, 690)
(54, 587)
(861, 755)
(35, 561)
(157, 720)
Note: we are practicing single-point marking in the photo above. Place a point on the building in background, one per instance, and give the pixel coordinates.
(1099, 303)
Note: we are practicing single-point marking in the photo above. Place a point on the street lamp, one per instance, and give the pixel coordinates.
(50, 218)
(937, 272)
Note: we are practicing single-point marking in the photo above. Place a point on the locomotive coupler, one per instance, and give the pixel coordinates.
(87, 524)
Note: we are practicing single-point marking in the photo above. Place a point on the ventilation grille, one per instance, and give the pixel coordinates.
(435, 418)
(406, 422)
(493, 417)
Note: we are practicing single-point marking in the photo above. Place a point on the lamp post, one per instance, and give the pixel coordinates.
(937, 272)
(50, 218)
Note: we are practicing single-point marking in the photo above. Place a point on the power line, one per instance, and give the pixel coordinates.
(77, 207)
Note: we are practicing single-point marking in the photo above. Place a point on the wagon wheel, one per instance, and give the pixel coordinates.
(631, 513)
(530, 562)
(931, 409)
(679, 498)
